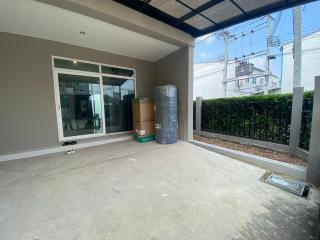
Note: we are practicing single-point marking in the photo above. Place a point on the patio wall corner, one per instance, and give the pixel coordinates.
(177, 69)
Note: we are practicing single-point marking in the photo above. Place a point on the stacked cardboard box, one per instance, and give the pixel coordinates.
(143, 119)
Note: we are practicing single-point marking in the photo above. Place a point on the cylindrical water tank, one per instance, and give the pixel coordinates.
(166, 122)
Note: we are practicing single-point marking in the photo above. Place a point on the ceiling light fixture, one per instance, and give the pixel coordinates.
(75, 62)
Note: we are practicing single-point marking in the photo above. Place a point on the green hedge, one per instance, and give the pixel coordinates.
(306, 120)
(194, 115)
(263, 117)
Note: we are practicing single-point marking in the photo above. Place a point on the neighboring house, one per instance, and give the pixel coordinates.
(310, 63)
(208, 81)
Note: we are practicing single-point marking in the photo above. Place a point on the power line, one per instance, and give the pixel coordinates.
(309, 51)
(243, 34)
(246, 25)
(309, 28)
(276, 23)
(283, 39)
(255, 54)
(278, 54)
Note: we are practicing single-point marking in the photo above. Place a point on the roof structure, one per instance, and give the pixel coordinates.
(200, 17)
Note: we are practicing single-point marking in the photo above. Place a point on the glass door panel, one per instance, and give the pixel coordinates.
(80, 102)
(118, 94)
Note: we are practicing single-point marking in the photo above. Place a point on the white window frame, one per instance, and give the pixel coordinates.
(99, 74)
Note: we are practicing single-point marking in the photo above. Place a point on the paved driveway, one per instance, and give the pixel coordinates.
(149, 191)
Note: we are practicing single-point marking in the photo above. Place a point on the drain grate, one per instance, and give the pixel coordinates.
(290, 185)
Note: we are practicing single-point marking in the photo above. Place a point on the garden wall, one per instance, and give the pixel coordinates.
(263, 117)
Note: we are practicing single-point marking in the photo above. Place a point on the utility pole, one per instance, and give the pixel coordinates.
(225, 35)
(267, 63)
(225, 72)
(298, 90)
(297, 47)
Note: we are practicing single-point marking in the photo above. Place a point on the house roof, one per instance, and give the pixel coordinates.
(200, 17)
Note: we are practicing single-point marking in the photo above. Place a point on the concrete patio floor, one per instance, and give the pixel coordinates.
(149, 191)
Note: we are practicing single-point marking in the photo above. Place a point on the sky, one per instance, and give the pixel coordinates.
(251, 37)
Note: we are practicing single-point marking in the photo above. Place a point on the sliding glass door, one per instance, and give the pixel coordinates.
(92, 99)
(80, 101)
(118, 94)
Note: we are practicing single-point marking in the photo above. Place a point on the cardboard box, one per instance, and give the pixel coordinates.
(142, 109)
(143, 128)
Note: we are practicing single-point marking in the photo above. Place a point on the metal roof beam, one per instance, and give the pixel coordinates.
(237, 6)
(181, 20)
(200, 9)
(145, 8)
(145, 4)
(159, 15)
(254, 14)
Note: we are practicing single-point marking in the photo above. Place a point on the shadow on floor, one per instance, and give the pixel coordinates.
(300, 223)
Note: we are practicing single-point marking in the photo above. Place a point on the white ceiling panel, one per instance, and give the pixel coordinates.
(171, 7)
(222, 11)
(35, 19)
(195, 3)
(199, 22)
(249, 5)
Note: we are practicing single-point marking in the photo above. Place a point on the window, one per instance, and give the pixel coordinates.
(118, 94)
(91, 102)
(75, 65)
(117, 71)
(80, 104)
(261, 81)
(254, 81)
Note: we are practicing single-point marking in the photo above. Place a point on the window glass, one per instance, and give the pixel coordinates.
(76, 65)
(80, 100)
(118, 94)
(117, 71)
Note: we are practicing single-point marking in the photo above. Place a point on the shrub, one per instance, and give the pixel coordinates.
(262, 117)
(306, 120)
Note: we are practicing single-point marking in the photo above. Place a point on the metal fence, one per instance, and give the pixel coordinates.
(262, 120)
(306, 120)
(194, 115)
(265, 118)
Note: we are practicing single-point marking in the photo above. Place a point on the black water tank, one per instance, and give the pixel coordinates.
(166, 122)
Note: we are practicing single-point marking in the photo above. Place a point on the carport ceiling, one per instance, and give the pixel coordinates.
(45, 21)
(200, 17)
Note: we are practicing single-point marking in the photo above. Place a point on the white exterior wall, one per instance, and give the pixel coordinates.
(208, 81)
(310, 63)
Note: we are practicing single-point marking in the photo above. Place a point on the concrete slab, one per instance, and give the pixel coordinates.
(149, 191)
(296, 172)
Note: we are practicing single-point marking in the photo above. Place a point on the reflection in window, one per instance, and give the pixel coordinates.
(75, 65)
(117, 71)
(80, 101)
(118, 94)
